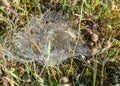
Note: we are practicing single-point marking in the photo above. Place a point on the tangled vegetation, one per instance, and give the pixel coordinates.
(97, 23)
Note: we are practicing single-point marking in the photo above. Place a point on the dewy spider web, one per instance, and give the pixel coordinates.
(55, 36)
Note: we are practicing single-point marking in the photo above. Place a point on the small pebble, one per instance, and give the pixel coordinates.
(94, 51)
(64, 80)
(108, 44)
(94, 37)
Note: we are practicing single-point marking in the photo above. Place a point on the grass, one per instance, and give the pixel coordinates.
(93, 17)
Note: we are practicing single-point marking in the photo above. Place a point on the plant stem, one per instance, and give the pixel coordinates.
(94, 72)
